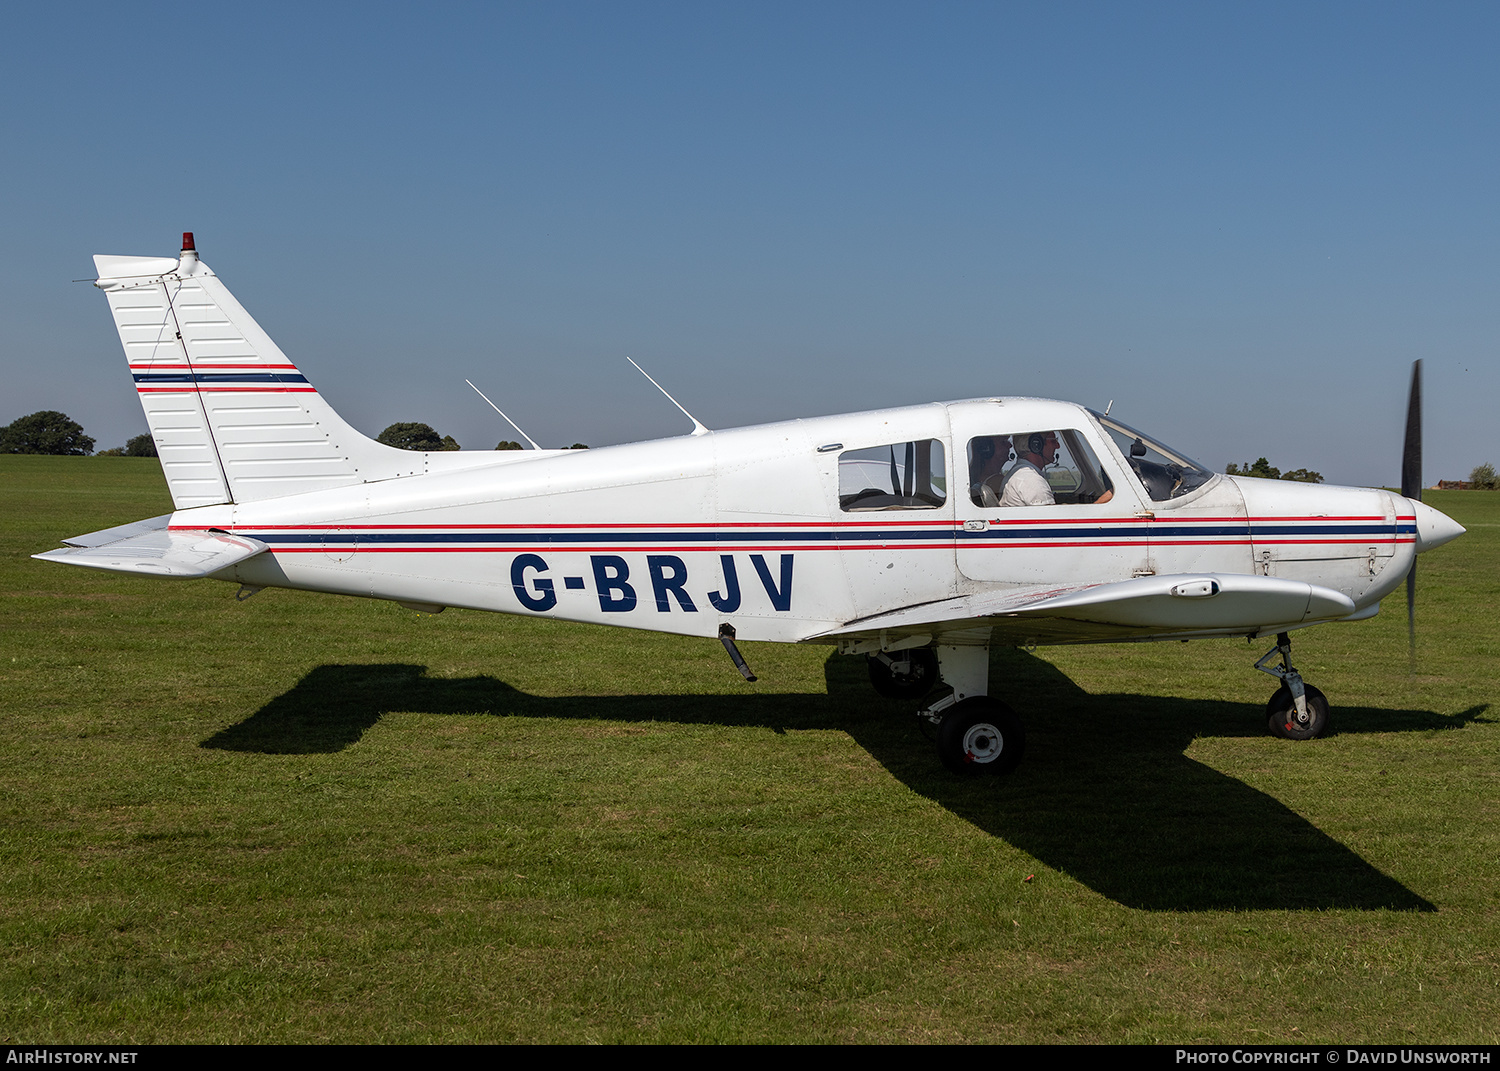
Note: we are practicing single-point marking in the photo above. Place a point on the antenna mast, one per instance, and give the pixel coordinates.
(508, 420)
(698, 428)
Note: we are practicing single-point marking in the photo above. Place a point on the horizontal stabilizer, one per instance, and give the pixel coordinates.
(149, 548)
(1145, 607)
(119, 532)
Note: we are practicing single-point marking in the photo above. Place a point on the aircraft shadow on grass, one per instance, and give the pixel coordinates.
(1106, 793)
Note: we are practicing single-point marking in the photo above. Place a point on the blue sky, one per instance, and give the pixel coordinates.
(1241, 222)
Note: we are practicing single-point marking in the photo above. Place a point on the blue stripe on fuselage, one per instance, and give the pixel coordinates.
(709, 537)
(219, 377)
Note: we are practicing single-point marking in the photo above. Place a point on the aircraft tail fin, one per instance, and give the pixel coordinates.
(233, 418)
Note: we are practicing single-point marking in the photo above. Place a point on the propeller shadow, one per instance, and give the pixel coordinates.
(1105, 794)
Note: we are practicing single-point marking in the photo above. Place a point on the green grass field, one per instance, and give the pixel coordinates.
(305, 818)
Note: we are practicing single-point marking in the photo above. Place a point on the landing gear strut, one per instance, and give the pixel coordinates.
(1297, 711)
(908, 674)
(975, 733)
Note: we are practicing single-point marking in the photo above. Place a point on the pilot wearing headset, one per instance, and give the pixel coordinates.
(1026, 486)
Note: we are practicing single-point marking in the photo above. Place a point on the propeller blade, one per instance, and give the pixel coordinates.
(1411, 487)
(1411, 616)
(1411, 448)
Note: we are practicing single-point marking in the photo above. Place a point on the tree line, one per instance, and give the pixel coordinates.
(412, 436)
(1267, 471)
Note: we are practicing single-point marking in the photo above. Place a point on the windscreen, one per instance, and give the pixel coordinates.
(1165, 473)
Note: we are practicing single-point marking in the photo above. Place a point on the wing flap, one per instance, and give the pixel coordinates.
(149, 548)
(1201, 603)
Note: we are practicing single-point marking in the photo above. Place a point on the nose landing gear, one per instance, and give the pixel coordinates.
(1297, 711)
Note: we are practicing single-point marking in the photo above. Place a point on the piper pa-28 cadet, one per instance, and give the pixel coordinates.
(906, 535)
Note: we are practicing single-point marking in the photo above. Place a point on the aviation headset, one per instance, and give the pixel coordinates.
(1036, 442)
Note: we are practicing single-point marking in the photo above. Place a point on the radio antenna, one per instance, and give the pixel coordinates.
(508, 420)
(698, 428)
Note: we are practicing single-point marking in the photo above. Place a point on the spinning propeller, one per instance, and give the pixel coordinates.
(1411, 487)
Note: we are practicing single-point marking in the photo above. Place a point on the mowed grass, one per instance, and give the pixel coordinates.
(306, 818)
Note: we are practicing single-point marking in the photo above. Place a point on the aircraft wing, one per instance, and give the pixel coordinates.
(149, 548)
(1143, 608)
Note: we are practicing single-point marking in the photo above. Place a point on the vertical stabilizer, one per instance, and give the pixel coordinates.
(232, 417)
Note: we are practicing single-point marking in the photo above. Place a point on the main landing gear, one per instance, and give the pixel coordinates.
(975, 733)
(1297, 711)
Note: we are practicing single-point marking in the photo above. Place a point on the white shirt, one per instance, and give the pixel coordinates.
(1026, 486)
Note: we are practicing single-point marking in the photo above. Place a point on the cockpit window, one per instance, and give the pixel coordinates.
(898, 476)
(1164, 473)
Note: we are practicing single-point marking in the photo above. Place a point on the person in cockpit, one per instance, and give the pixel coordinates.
(1025, 485)
(987, 468)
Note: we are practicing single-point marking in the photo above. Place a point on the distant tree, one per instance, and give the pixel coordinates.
(410, 436)
(1303, 476)
(579, 446)
(1262, 469)
(141, 446)
(46, 432)
(1483, 478)
(507, 444)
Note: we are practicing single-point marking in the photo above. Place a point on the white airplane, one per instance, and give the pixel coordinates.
(899, 534)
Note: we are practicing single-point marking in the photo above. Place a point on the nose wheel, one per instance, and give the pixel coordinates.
(1297, 711)
(1285, 721)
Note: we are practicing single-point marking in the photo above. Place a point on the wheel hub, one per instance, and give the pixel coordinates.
(983, 743)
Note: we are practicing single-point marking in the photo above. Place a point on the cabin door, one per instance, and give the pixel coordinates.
(1096, 528)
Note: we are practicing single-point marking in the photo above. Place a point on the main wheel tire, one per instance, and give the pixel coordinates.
(921, 679)
(1281, 714)
(981, 735)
